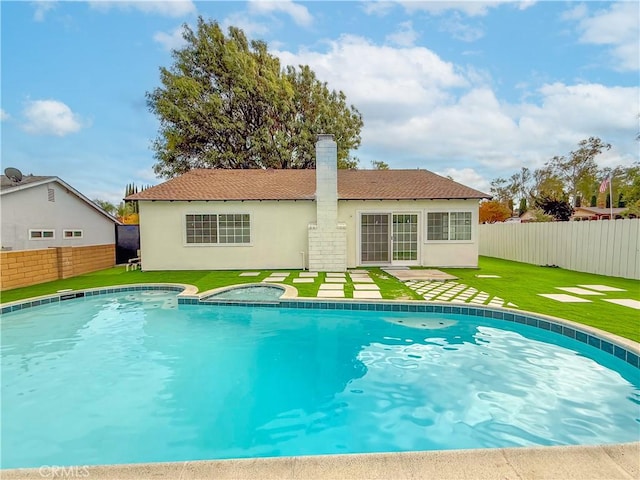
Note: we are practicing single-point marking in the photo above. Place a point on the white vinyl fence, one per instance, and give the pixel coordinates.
(604, 247)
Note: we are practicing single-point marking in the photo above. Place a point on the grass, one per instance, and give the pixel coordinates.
(519, 283)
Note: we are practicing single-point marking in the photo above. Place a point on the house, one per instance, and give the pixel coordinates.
(44, 211)
(324, 219)
(595, 213)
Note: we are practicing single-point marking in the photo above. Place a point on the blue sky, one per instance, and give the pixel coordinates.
(473, 89)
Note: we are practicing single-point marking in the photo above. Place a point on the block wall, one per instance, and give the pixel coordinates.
(23, 268)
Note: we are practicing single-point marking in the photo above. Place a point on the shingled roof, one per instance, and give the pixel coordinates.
(211, 184)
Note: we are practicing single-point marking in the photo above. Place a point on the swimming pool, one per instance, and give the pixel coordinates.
(129, 377)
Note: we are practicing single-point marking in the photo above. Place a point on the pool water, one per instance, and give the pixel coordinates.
(134, 377)
(254, 293)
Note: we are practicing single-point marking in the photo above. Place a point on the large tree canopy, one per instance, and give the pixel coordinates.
(227, 103)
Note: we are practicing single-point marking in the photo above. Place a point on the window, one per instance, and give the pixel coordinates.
(41, 234)
(69, 234)
(218, 229)
(449, 226)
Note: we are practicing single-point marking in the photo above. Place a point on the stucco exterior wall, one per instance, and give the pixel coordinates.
(30, 209)
(278, 236)
(430, 253)
(279, 232)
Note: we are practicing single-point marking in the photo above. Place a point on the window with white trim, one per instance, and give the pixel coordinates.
(222, 228)
(41, 234)
(449, 226)
(70, 234)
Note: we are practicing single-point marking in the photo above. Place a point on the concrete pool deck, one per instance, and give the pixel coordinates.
(598, 462)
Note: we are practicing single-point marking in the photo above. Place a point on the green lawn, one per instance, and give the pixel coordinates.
(519, 283)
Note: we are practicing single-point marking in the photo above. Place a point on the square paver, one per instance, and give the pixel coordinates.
(330, 294)
(365, 287)
(250, 274)
(362, 280)
(335, 280)
(308, 274)
(304, 280)
(488, 276)
(625, 302)
(331, 286)
(564, 298)
(274, 279)
(358, 271)
(335, 275)
(579, 291)
(366, 294)
(602, 288)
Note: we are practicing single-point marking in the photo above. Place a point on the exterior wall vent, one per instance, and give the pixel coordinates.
(51, 194)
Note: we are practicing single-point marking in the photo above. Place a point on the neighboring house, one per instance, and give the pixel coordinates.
(528, 216)
(595, 213)
(40, 212)
(323, 219)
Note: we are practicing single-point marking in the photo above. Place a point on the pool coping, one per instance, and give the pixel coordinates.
(595, 462)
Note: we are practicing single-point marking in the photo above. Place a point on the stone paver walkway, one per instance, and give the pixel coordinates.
(455, 292)
(591, 290)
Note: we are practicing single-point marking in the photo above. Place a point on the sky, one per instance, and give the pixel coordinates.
(474, 90)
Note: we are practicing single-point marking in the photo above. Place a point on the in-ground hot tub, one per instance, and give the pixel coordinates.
(251, 293)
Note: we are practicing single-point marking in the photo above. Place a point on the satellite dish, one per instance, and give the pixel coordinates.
(13, 174)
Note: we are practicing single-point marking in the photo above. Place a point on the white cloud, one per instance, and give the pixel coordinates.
(421, 111)
(4, 115)
(379, 8)
(250, 28)
(461, 30)
(172, 40)
(41, 9)
(167, 8)
(617, 28)
(468, 177)
(298, 13)
(469, 8)
(382, 81)
(406, 36)
(50, 117)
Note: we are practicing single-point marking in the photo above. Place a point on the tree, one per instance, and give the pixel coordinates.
(108, 207)
(578, 172)
(500, 190)
(632, 211)
(379, 165)
(627, 183)
(539, 216)
(520, 183)
(227, 103)
(492, 211)
(546, 184)
(522, 208)
(561, 210)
